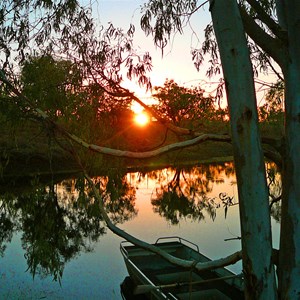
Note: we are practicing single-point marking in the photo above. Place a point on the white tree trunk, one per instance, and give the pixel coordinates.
(248, 155)
(289, 257)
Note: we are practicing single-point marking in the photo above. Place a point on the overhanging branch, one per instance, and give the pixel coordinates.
(231, 259)
(200, 137)
(266, 19)
(275, 47)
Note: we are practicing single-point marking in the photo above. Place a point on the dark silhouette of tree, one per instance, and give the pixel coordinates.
(178, 104)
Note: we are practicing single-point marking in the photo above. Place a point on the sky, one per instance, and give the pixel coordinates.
(176, 62)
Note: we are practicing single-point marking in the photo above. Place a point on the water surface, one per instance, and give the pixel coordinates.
(55, 244)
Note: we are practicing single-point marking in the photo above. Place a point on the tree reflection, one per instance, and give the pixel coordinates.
(60, 221)
(185, 195)
(52, 234)
(118, 197)
(7, 224)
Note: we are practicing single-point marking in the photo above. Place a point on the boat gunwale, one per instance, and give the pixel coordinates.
(143, 277)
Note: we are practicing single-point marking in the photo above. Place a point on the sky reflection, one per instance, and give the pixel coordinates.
(85, 256)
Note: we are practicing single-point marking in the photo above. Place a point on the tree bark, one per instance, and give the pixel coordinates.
(248, 156)
(289, 257)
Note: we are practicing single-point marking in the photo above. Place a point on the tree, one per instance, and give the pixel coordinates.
(53, 85)
(271, 27)
(65, 29)
(179, 104)
(57, 87)
(248, 155)
(273, 109)
(272, 31)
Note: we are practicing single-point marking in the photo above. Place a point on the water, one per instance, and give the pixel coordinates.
(95, 269)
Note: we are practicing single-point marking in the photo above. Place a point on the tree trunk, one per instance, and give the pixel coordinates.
(289, 257)
(248, 156)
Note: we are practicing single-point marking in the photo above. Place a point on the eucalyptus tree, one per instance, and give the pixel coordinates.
(67, 29)
(53, 85)
(271, 28)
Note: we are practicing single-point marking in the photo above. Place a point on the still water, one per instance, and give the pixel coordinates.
(55, 245)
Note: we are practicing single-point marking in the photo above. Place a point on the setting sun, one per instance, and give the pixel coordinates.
(141, 118)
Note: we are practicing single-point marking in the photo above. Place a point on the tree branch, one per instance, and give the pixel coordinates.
(265, 18)
(153, 153)
(273, 46)
(231, 259)
(200, 137)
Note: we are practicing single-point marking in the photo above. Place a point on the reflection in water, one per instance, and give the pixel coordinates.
(118, 196)
(185, 195)
(7, 224)
(59, 221)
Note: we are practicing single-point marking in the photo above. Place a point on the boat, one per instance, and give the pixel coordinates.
(153, 277)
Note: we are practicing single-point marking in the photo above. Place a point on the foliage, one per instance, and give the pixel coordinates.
(57, 87)
(17, 19)
(168, 18)
(12, 110)
(54, 86)
(163, 19)
(177, 103)
(67, 30)
(273, 109)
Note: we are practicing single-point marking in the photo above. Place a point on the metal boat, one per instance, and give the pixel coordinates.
(153, 277)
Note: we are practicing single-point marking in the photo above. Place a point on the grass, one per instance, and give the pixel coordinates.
(29, 149)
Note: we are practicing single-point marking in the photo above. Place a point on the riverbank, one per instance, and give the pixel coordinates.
(31, 149)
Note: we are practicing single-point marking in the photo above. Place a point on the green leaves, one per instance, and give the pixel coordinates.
(162, 18)
(38, 24)
(178, 103)
(54, 86)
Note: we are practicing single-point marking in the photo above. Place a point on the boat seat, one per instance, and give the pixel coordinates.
(176, 277)
(211, 294)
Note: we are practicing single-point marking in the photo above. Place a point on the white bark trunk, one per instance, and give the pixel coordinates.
(289, 257)
(248, 155)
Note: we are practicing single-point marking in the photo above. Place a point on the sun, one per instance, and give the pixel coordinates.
(141, 118)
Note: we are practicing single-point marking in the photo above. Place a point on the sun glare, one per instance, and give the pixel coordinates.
(141, 119)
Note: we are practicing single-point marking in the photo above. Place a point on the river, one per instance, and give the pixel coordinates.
(55, 245)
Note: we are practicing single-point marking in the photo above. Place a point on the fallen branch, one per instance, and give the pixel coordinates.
(199, 137)
(188, 264)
